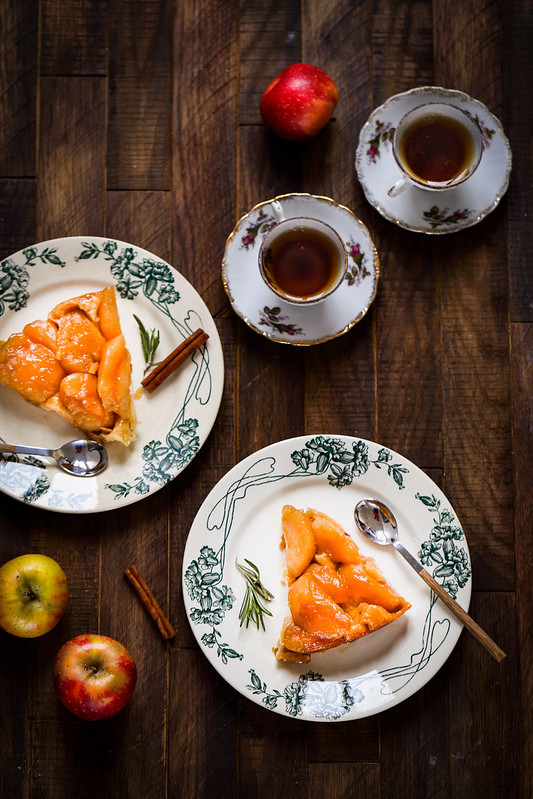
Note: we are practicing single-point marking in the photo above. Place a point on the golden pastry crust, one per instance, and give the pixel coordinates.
(76, 364)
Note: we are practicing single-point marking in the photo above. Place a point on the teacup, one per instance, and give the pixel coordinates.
(302, 260)
(437, 146)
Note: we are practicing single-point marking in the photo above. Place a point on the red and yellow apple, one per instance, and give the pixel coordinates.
(299, 102)
(33, 595)
(94, 676)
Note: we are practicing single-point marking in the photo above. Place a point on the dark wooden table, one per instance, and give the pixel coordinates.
(139, 121)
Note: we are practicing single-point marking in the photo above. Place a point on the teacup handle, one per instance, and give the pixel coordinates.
(277, 210)
(398, 187)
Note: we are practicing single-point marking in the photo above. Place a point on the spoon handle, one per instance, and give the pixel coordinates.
(463, 616)
(18, 449)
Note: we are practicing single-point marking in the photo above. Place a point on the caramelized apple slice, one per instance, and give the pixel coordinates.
(331, 538)
(42, 332)
(114, 377)
(365, 586)
(314, 610)
(29, 368)
(108, 314)
(331, 581)
(79, 343)
(88, 303)
(368, 617)
(299, 541)
(294, 639)
(79, 395)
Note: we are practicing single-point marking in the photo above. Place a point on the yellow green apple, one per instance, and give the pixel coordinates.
(33, 595)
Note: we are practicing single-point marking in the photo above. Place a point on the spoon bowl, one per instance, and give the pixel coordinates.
(377, 522)
(81, 458)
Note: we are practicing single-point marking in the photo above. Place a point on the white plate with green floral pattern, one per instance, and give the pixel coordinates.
(174, 421)
(241, 519)
(417, 209)
(280, 321)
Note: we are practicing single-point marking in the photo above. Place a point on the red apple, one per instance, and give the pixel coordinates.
(94, 676)
(299, 102)
(33, 595)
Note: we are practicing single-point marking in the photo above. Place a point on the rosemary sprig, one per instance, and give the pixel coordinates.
(149, 341)
(252, 609)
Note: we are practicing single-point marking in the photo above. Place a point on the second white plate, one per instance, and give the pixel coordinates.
(241, 518)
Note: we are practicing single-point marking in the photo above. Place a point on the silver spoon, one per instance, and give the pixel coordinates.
(377, 522)
(81, 458)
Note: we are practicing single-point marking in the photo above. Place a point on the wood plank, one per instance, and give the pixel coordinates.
(73, 37)
(517, 119)
(339, 385)
(346, 742)
(468, 52)
(522, 385)
(402, 48)
(336, 39)
(408, 371)
(202, 718)
(17, 215)
(346, 780)
(269, 167)
(259, 768)
(70, 193)
(204, 97)
(414, 752)
(142, 218)
(18, 56)
(409, 365)
(475, 340)
(477, 445)
(269, 40)
(482, 711)
(139, 95)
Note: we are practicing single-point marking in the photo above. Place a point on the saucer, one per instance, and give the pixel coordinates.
(280, 321)
(418, 209)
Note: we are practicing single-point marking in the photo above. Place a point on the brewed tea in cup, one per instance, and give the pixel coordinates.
(302, 260)
(437, 146)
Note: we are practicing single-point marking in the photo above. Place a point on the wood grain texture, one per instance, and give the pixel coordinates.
(517, 118)
(18, 98)
(522, 383)
(344, 781)
(71, 176)
(139, 95)
(73, 37)
(204, 107)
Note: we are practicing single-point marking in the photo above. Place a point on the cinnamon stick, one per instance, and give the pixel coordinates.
(178, 356)
(150, 603)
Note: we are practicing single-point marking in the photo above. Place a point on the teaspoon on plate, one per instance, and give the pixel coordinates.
(81, 458)
(377, 522)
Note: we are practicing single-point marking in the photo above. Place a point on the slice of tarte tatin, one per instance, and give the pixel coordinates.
(76, 363)
(336, 595)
